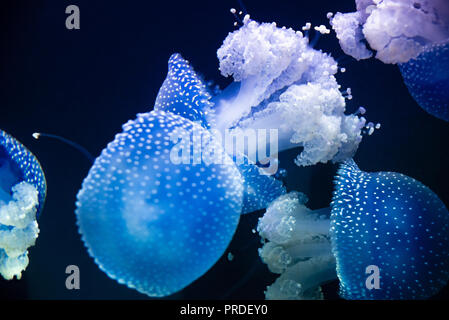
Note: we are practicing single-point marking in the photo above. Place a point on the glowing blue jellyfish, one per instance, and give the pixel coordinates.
(22, 196)
(157, 209)
(411, 33)
(150, 215)
(383, 219)
(427, 79)
(184, 93)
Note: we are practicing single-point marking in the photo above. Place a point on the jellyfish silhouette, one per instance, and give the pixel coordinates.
(22, 196)
(383, 219)
(427, 79)
(183, 93)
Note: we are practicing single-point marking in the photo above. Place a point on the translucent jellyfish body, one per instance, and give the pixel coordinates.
(427, 79)
(152, 214)
(413, 34)
(382, 219)
(282, 83)
(22, 196)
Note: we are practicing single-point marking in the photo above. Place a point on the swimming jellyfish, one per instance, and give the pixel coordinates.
(383, 219)
(411, 33)
(183, 93)
(281, 82)
(22, 195)
(156, 217)
(150, 215)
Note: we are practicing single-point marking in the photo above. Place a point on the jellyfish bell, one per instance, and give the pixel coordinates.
(152, 223)
(381, 219)
(22, 195)
(184, 93)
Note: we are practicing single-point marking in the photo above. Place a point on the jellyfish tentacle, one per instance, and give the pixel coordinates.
(298, 248)
(303, 280)
(392, 221)
(77, 146)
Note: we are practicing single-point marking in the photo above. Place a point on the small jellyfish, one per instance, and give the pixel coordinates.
(411, 33)
(427, 79)
(381, 219)
(22, 196)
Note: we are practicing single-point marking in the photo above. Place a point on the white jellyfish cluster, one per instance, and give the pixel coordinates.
(398, 30)
(283, 83)
(18, 228)
(297, 246)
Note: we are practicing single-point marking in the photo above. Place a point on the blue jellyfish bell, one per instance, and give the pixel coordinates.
(382, 224)
(427, 79)
(394, 222)
(184, 93)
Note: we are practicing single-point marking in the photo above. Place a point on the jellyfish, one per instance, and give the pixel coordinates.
(385, 220)
(410, 33)
(22, 196)
(155, 216)
(184, 93)
(282, 83)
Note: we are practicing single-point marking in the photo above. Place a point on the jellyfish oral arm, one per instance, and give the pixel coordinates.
(303, 280)
(18, 229)
(282, 83)
(298, 248)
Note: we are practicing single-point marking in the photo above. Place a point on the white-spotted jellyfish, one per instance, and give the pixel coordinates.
(22, 195)
(184, 93)
(382, 219)
(411, 33)
(282, 83)
(150, 215)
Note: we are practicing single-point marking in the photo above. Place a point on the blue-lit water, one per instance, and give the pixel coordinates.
(84, 84)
